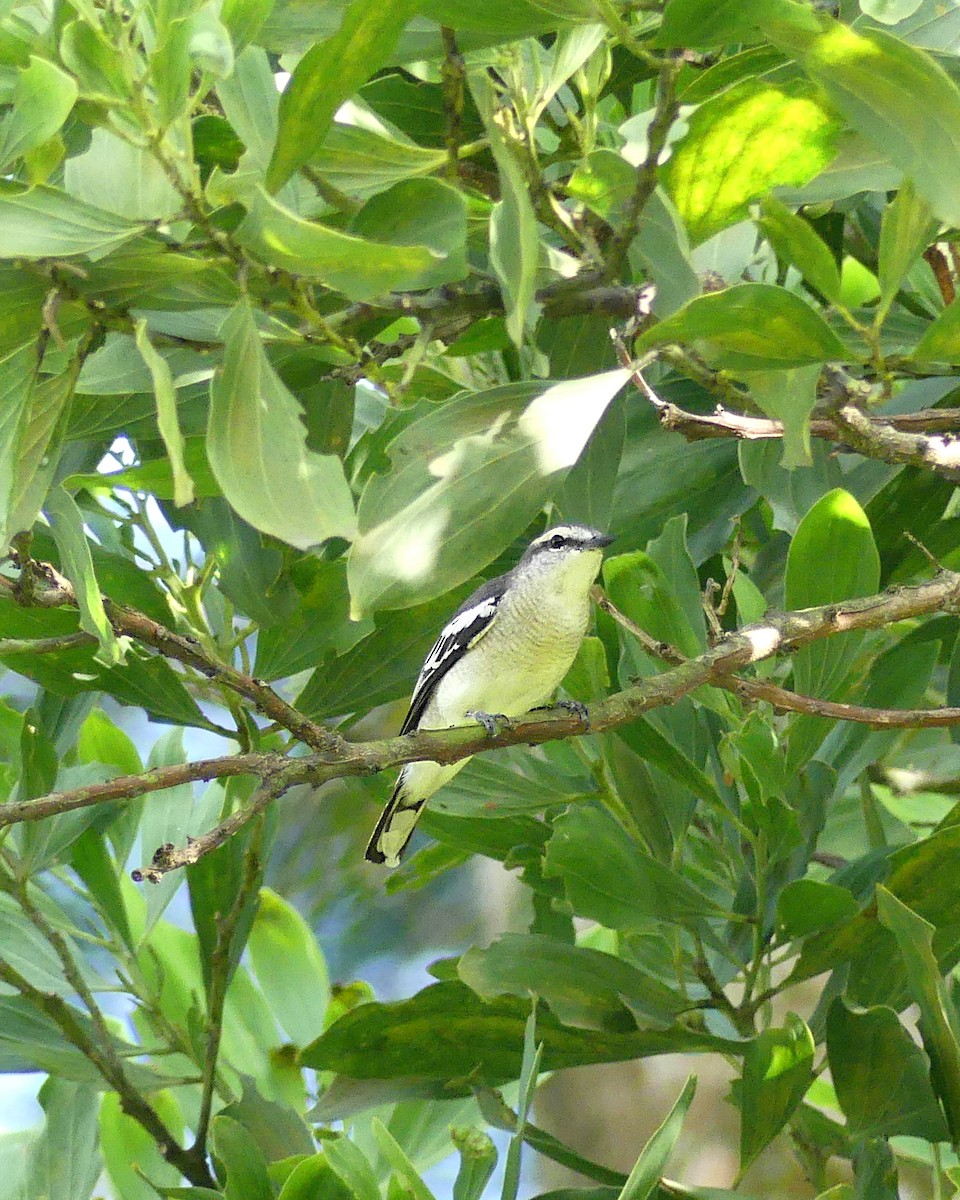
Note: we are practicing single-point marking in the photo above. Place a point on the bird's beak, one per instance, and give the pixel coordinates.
(602, 539)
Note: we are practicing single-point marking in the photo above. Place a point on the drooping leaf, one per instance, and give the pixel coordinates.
(889, 91)
(66, 521)
(777, 1070)
(290, 968)
(360, 268)
(257, 448)
(514, 246)
(43, 222)
(327, 74)
(881, 1075)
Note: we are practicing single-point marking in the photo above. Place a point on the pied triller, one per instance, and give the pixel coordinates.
(504, 651)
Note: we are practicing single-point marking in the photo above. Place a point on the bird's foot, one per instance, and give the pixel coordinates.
(491, 721)
(578, 710)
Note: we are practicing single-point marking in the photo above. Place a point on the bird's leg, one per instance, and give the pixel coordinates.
(490, 721)
(575, 707)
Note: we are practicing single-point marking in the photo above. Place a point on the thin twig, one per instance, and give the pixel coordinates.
(168, 858)
(876, 718)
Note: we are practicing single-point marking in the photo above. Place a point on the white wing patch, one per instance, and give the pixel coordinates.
(459, 634)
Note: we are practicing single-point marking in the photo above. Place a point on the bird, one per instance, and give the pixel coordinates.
(503, 652)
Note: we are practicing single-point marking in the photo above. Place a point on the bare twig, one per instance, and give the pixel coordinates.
(168, 858)
(876, 718)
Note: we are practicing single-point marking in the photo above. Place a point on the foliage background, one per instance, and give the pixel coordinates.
(281, 375)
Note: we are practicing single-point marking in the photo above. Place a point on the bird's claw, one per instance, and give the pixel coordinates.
(490, 721)
(578, 709)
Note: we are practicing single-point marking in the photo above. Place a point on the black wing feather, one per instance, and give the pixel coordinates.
(456, 638)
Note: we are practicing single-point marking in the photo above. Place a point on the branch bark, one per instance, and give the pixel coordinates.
(779, 632)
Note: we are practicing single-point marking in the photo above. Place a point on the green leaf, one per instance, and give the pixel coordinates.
(312, 1179)
(327, 74)
(360, 268)
(478, 1160)
(428, 524)
(42, 99)
(257, 448)
(123, 1143)
(777, 1070)
(42, 222)
(881, 1076)
(608, 878)
(514, 244)
(380, 667)
(31, 435)
(750, 327)
(318, 628)
(276, 1130)
(741, 143)
(582, 986)
(646, 1173)
(167, 421)
(939, 1022)
(139, 189)
(171, 816)
(360, 161)
(706, 23)
(526, 1086)
(906, 230)
(789, 396)
(418, 213)
(899, 98)
(406, 1173)
(246, 1171)
(832, 558)
(216, 882)
(352, 1167)
(796, 242)
(290, 968)
(447, 1034)
(941, 338)
(66, 521)
(70, 1111)
(809, 906)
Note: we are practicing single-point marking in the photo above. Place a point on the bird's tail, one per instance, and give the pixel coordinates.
(395, 827)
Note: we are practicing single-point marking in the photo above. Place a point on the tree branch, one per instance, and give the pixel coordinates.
(125, 787)
(49, 589)
(876, 718)
(779, 632)
(929, 439)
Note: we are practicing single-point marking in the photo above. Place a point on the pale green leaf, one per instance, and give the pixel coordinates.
(257, 446)
(167, 420)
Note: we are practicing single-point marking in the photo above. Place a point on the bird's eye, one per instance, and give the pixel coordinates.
(556, 541)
